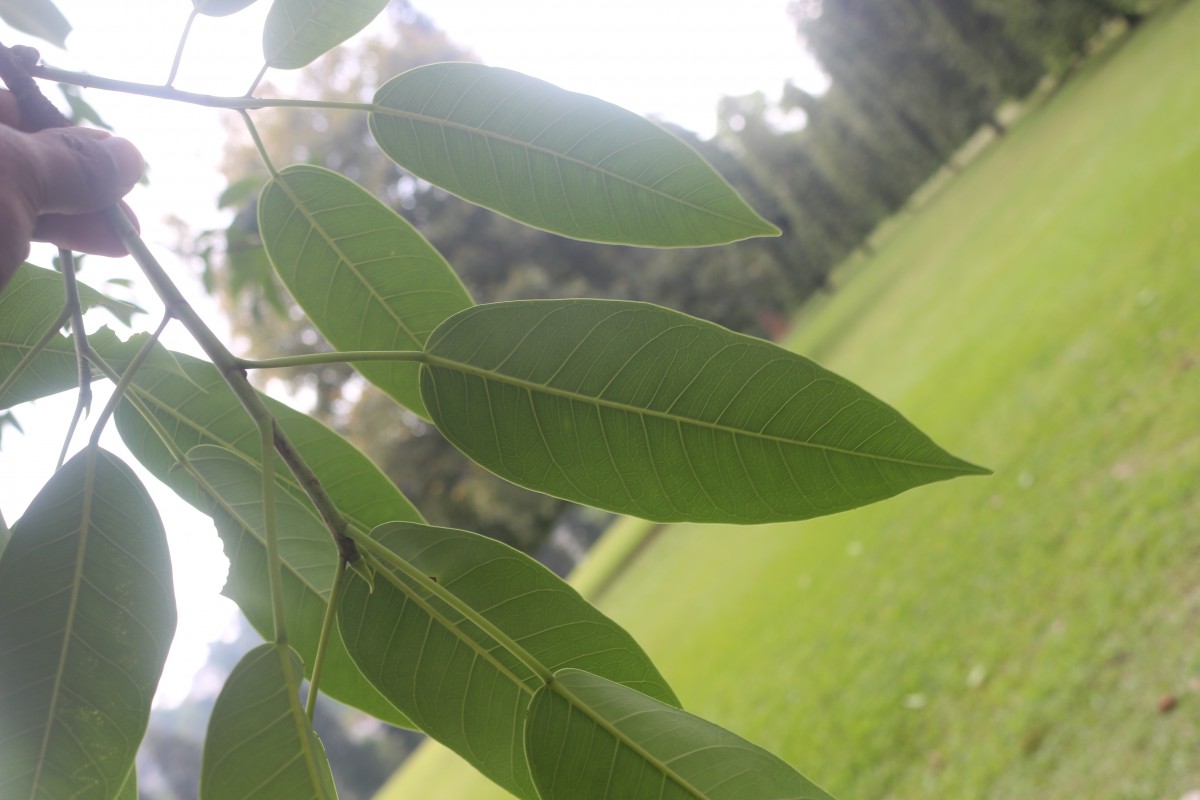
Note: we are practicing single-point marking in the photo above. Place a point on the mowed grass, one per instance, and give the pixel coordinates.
(1013, 636)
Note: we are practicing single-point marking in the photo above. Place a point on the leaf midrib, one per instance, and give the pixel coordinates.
(69, 629)
(344, 259)
(580, 705)
(432, 360)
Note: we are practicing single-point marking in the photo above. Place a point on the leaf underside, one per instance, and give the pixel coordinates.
(649, 412)
(40, 18)
(260, 745)
(29, 305)
(308, 560)
(220, 8)
(453, 679)
(365, 277)
(87, 612)
(556, 160)
(298, 31)
(588, 738)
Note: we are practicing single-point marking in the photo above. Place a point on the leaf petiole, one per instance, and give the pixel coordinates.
(79, 336)
(335, 596)
(340, 357)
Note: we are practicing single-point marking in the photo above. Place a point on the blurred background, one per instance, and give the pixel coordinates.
(840, 121)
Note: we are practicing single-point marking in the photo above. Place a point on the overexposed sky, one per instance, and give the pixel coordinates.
(672, 59)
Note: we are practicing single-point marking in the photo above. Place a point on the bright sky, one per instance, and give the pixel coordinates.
(669, 58)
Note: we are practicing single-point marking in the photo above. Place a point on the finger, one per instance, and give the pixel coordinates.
(86, 233)
(10, 113)
(78, 170)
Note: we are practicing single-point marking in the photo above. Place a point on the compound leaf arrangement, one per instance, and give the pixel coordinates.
(620, 405)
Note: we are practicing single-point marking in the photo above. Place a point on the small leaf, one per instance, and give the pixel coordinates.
(460, 685)
(87, 613)
(40, 18)
(29, 305)
(82, 111)
(365, 277)
(220, 8)
(260, 745)
(649, 412)
(556, 160)
(588, 738)
(308, 560)
(298, 31)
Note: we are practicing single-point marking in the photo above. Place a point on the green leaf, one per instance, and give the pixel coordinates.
(220, 8)
(458, 683)
(87, 613)
(29, 305)
(260, 745)
(588, 738)
(365, 277)
(649, 412)
(298, 31)
(556, 160)
(129, 790)
(202, 410)
(40, 18)
(308, 559)
(82, 111)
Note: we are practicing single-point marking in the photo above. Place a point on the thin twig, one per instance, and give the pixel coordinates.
(83, 402)
(235, 378)
(161, 92)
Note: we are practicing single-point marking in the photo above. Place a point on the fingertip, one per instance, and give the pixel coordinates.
(126, 159)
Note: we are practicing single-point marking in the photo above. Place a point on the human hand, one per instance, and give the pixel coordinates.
(55, 183)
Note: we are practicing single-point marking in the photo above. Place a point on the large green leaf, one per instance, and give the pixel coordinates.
(29, 305)
(588, 738)
(649, 412)
(556, 160)
(309, 560)
(459, 684)
(87, 613)
(365, 277)
(40, 18)
(220, 8)
(260, 745)
(298, 31)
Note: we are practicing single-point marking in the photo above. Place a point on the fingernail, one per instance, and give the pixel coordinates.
(126, 159)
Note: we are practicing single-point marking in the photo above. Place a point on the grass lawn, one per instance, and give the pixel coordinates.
(1002, 637)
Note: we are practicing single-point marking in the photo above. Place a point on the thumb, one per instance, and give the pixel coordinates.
(77, 170)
